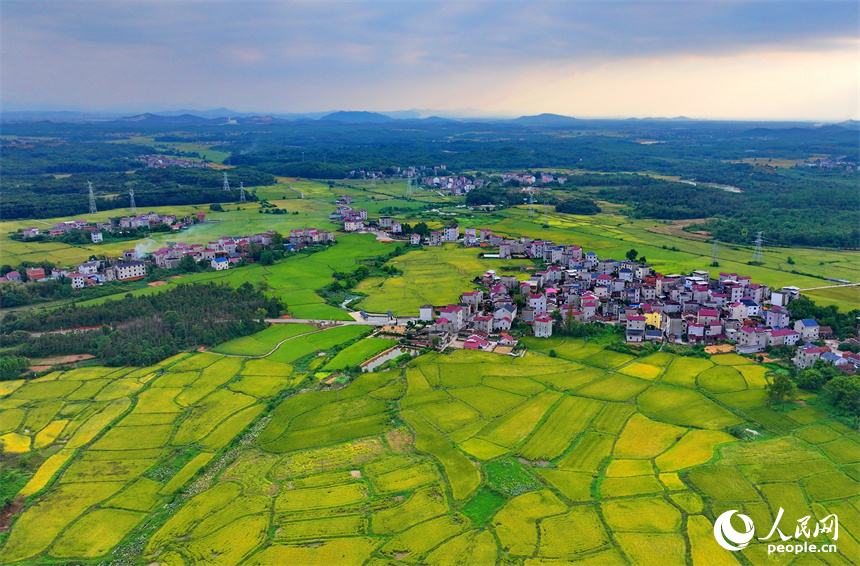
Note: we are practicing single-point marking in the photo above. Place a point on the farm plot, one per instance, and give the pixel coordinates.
(359, 352)
(413, 543)
(515, 426)
(488, 401)
(516, 522)
(461, 473)
(448, 417)
(613, 387)
(722, 379)
(683, 371)
(565, 422)
(423, 504)
(573, 533)
(642, 371)
(263, 342)
(684, 407)
(644, 438)
(588, 453)
(477, 548)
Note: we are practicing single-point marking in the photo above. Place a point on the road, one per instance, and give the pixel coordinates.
(831, 286)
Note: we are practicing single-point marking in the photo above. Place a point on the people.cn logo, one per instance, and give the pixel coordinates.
(727, 536)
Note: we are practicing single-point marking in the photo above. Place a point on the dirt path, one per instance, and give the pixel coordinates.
(301, 194)
(675, 229)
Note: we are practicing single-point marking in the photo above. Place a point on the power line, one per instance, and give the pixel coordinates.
(133, 206)
(241, 191)
(531, 205)
(92, 199)
(757, 253)
(715, 254)
(226, 182)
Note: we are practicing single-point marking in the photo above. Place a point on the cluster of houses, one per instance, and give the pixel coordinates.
(221, 254)
(95, 229)
(162, 161)
(579, 286)
(456, 185)
(529, 179)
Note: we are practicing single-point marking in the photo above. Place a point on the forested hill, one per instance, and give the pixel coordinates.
(145, 329)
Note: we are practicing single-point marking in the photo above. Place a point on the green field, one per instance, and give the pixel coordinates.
(461, 456)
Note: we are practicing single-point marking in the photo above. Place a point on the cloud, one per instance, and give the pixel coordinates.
(329, 53)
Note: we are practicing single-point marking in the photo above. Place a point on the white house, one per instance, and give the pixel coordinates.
(543, 326)
(220, 263)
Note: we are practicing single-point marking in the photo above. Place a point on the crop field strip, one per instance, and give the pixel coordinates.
(606, 476)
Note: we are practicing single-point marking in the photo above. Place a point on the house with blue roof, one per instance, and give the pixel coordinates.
(220, 263)
(807, 328)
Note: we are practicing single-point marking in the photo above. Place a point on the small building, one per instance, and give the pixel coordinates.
(78, 280)
(807, 356)
(220, 263)
(435, 238)
(808, 329)
(415, 239)
(130, 270)
(543, 325)
(35, 273)
(29, 233)
(96, 237)
(425, 313)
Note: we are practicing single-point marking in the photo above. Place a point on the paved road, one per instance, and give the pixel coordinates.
(831, 286)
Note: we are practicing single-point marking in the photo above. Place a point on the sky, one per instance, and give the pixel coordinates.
(719, 59)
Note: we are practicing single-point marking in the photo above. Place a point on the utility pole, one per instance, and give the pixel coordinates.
(92, 199)
(531, 205)
(545, 215)
(132, 206)
(241, 191)
(715, 254)
(757, 253)
(226, 182)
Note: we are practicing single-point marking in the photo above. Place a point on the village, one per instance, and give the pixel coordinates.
(576, 286)
(567, 285)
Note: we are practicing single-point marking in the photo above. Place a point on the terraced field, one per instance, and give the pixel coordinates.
(590, 457)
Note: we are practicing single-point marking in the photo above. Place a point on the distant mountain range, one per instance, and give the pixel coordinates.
(227, 116)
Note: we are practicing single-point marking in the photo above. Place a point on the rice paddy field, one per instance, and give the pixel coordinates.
(590, 457)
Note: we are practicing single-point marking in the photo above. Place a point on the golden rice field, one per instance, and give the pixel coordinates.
(466, 457)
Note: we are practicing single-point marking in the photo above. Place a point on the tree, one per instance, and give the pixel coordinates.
(846, 393)
(810, 379)
(781, 388)
(266, 257)
(632, 255)
(12, 366)
(187, 264)
(216, 207)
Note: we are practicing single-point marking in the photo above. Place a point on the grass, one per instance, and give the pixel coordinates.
(483, 505)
